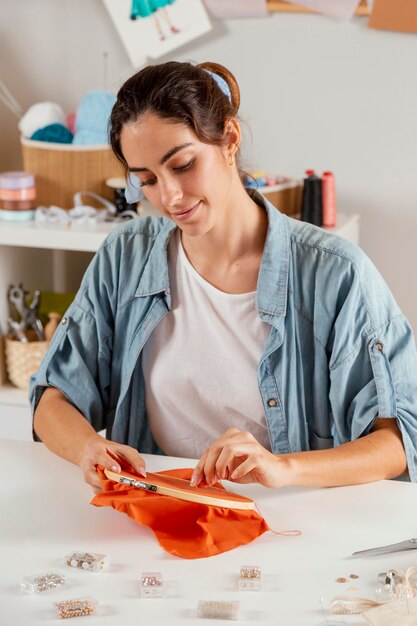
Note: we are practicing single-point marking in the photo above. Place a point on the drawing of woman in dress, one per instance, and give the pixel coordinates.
(148, 8)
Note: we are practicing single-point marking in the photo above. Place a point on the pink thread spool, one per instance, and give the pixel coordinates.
(329, 199)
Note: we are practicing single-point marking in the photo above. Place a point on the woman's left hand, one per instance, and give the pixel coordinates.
(239, 457)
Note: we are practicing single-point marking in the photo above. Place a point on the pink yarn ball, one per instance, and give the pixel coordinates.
(71, 122)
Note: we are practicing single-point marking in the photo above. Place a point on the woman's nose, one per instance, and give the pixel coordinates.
(171, 193)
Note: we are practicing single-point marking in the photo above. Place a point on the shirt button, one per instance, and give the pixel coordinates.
(64, 321)
(379, 346)
(272, 402)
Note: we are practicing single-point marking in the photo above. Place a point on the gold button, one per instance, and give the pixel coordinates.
(379, 346)
(272, 402)
(64, 321)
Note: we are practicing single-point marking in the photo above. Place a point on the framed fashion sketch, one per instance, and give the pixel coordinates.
(153, 28)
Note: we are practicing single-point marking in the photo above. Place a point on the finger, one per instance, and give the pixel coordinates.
(227, 461)
(205, 468)
(128, 458)
(239, 445)
(213, 470)
(244, 468)
(105, 458)
(198, 473)
(209, 469)
(91, 478)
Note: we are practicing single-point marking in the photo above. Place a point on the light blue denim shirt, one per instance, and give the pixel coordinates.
(339, 354)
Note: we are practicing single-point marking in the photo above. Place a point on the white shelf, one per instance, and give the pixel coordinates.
(11, 395)
(89, 238)
(85, 238)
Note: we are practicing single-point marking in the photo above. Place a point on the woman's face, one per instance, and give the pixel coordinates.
(188, 181)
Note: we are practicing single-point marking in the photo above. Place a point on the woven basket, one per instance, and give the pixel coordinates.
(63, 169)
(23, 360)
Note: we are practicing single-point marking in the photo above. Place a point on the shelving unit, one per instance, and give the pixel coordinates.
(45, 257)
(85, 238)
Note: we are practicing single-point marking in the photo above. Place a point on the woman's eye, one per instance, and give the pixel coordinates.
(186, 166)
(149, 181)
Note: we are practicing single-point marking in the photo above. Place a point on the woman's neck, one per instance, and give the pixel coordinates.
(229, 255)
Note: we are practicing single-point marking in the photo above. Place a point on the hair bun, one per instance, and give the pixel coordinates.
(227, 75)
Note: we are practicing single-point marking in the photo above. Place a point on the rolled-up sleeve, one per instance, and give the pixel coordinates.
(76, 363)
(378, 379)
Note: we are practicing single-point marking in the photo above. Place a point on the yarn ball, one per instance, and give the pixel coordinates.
(55, 133)
(40, 115)
(71, 122)
(92, 118)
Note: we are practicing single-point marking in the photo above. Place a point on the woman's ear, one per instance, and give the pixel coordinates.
(233, 136)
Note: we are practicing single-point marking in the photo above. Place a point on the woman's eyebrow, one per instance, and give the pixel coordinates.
(164, 159)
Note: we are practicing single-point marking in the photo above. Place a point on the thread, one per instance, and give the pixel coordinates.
(283, 533)
(311, 205)
(329, 199)
(348, 605)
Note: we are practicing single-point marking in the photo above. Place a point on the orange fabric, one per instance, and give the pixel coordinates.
(186, 529)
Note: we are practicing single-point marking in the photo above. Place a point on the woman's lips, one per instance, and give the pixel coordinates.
(185, 215)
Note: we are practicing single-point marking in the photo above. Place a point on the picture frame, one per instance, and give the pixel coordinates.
(153, 28)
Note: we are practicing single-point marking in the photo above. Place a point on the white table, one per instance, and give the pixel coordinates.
(45, 514)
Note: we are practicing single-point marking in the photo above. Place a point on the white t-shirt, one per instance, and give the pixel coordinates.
(200, 364)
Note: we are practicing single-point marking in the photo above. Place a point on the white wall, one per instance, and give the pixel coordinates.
(316, 93)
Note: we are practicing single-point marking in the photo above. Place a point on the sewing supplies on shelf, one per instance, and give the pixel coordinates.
(84, 214)
(118, 186)
(39, 116)
(17, 196)
(318, 204)
(27, 340)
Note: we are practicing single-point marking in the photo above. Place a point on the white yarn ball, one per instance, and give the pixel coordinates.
(40, 115)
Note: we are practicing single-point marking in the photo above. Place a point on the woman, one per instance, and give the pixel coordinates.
(222, 330)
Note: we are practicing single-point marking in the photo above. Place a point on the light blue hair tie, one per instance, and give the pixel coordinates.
(133, 190)
(221, 83)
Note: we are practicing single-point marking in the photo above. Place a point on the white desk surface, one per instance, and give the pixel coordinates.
(45, 514)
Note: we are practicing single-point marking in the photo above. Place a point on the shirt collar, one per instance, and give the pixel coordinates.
(271, 296)
(155, 277)
(272, 288)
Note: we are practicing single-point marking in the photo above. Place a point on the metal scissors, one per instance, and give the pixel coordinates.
(409, 544)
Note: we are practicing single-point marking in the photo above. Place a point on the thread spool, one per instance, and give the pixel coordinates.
(17, 196)
(118, 185)
(311, 205)
(329, 199)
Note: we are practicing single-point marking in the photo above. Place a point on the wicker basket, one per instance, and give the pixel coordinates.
(63, 169)
(23, 360)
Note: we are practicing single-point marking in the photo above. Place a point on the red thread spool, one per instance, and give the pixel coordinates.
(329, 199)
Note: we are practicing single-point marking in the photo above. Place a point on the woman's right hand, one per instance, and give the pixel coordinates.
(110, 455)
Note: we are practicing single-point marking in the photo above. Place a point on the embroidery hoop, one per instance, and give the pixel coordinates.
(181, 489)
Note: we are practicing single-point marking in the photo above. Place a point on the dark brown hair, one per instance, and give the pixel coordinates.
(180, 92)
